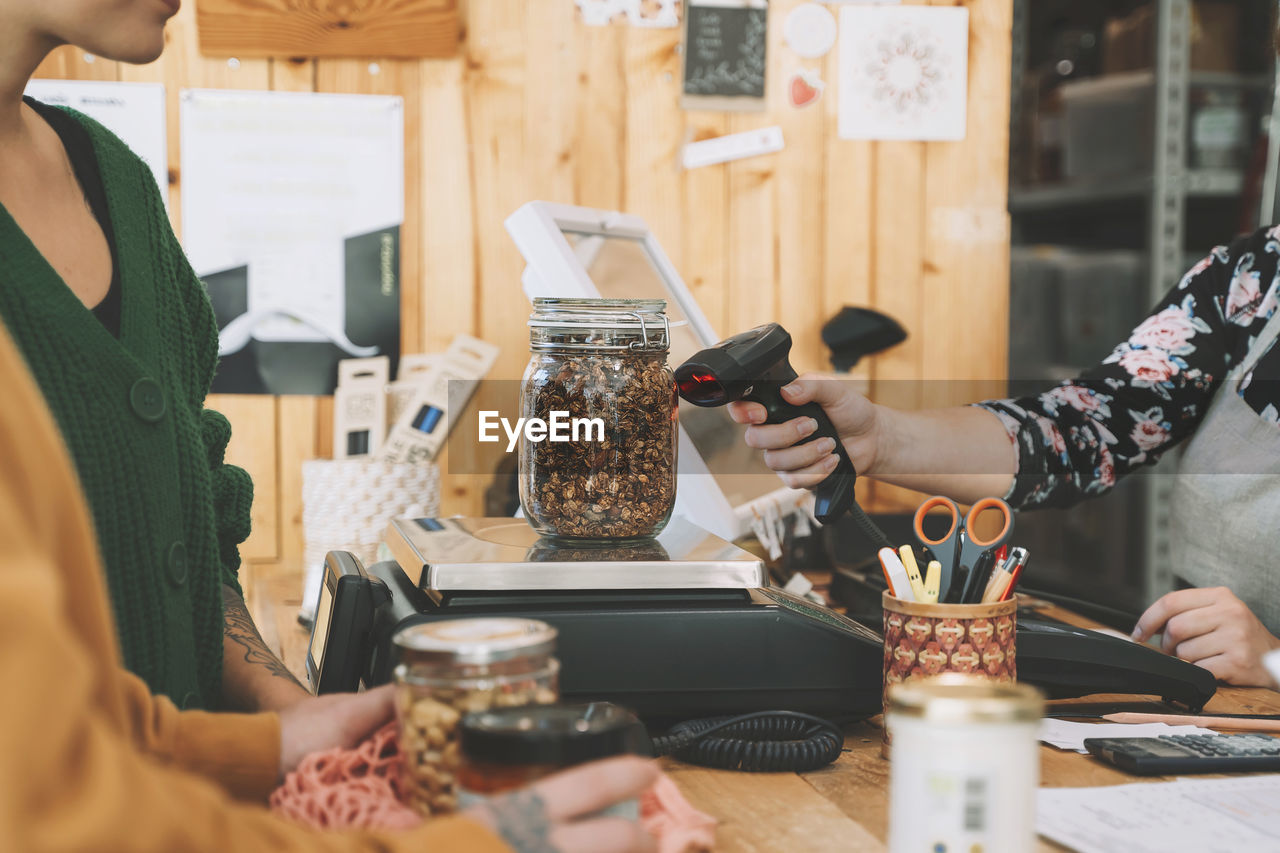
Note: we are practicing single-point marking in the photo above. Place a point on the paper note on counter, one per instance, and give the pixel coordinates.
(1205, 815)
(1065, 734)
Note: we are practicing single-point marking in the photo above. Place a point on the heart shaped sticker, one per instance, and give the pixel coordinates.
(805, 88)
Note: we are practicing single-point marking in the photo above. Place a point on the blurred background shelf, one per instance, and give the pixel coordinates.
(1082, 194)
(1138, 142)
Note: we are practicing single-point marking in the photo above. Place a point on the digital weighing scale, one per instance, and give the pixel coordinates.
(684, 625)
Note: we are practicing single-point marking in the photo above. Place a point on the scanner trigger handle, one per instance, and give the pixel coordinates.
(834, 495)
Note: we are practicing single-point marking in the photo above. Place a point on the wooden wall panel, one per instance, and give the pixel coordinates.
(498, 75)
(539, 106)
(967, 238)
(652, 186)
(447, 270)
(409, 30)
(71, 63)
(600, 123)
(297, 441)
(706, 256)
(446, 277)
(752, 291)
(800, 190)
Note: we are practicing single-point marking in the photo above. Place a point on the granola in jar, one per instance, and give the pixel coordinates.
(599, 370)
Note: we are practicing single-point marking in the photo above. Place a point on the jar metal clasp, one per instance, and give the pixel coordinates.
(643, 343)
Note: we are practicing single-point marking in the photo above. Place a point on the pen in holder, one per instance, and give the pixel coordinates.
(925, 639)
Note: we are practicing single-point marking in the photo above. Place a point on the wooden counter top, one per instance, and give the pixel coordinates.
(843, 807)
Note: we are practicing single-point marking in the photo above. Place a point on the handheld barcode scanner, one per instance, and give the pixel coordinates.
(754, 365)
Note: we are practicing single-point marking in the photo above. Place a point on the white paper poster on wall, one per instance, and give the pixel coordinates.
(903, 72)
(291, 207)
(638, 13)
(132, 111)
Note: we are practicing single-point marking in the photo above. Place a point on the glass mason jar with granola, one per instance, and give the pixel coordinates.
(604, 465)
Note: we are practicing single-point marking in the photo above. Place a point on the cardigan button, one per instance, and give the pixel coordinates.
(178, 564)
(147, 399)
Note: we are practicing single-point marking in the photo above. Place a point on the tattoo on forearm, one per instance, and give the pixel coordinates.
(239, 627)
(521, 820)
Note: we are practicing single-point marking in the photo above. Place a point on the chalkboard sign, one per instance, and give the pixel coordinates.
(724, 54)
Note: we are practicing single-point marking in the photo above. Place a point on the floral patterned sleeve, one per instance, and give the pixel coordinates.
(1076, 439)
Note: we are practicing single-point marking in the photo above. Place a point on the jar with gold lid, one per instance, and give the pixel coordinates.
(448, 668)
(964, 764)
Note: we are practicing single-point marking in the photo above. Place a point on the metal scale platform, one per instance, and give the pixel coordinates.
(680, 626)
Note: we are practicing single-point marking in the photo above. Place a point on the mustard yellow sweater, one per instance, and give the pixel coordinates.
(89, 759)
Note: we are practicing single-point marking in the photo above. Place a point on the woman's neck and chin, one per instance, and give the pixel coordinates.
(20, 55)
(24, 45)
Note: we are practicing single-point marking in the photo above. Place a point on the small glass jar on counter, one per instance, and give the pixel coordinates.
(964, 765)
(451, 667)
(505, 749)
(598, 377)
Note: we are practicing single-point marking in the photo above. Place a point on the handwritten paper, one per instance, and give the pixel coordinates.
(1205, 815)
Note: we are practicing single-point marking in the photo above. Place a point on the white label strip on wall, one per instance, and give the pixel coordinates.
(735, 146)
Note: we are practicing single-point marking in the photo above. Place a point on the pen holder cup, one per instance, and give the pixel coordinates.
(922, 640)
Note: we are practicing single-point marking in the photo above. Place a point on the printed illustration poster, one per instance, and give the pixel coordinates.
(903, 72)
(132, 111)
(291, 212)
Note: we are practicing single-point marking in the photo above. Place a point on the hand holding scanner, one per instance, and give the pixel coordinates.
(754, 365)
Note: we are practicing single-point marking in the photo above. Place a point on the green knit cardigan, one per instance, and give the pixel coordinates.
(167, 511)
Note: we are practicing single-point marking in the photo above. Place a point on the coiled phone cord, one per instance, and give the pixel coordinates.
(763, 742)
(868, 527)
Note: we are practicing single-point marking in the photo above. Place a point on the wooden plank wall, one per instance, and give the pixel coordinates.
(538, 106)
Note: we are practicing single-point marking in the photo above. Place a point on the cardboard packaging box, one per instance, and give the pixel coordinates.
(424, 423)
(1128, 43)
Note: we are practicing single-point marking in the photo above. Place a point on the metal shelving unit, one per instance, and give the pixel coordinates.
(1164, 194)
(1198, 183)
(1166, 220)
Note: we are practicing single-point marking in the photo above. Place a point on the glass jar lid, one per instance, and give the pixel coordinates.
(958, 698)
(479, 640)
(559, 735)
(580, 323)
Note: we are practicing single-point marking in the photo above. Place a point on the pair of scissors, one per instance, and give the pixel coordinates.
(959, 547)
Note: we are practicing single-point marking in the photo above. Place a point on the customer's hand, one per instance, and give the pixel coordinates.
(324, 722)
(803, 467)
(1213, 629)
(555, 815)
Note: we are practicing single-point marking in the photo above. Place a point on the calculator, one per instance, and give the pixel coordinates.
(1156, 756)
